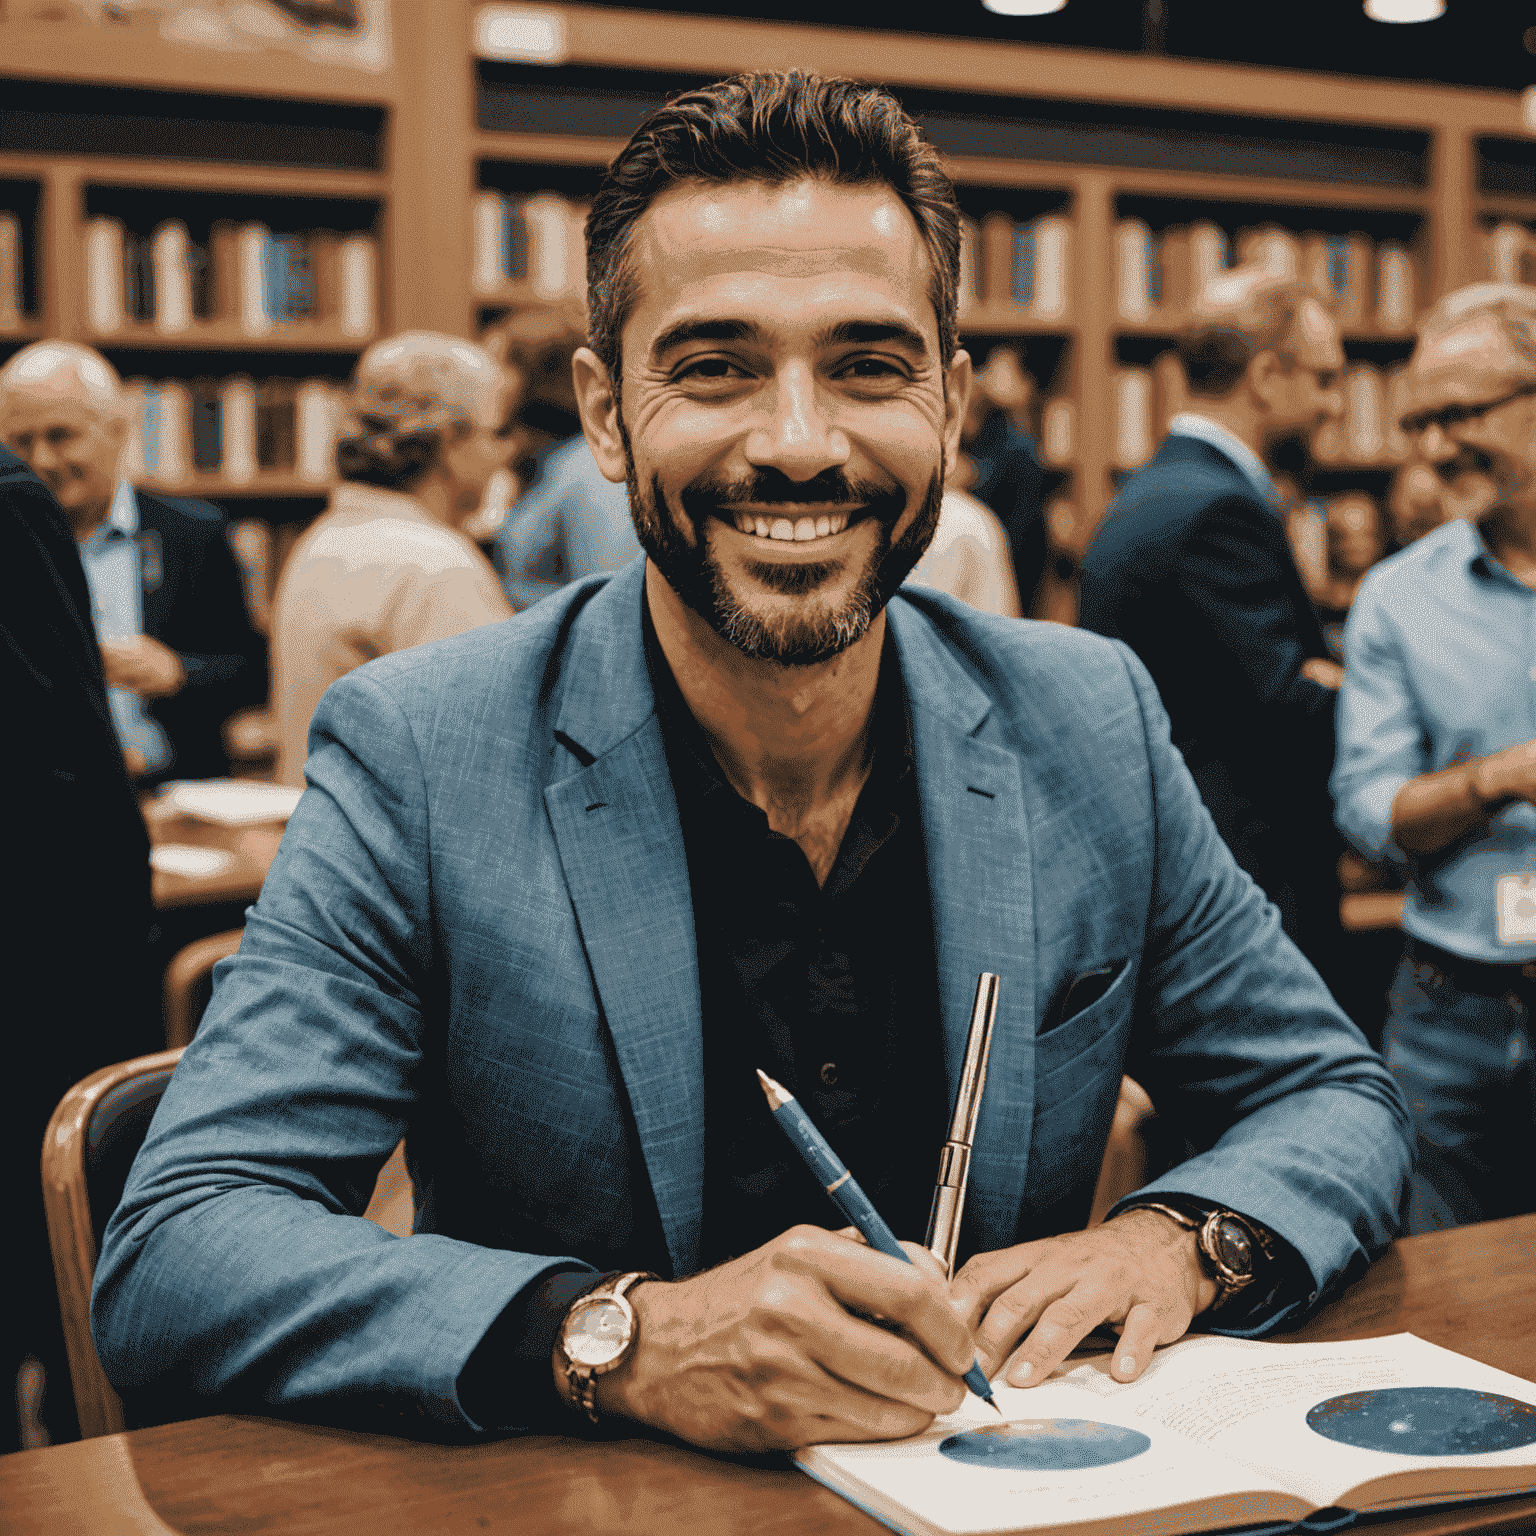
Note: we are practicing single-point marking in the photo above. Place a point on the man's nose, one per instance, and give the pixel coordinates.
(794, 433)
(1435, 444)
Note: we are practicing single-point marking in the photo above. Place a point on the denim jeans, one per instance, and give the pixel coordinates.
(1465, 1065)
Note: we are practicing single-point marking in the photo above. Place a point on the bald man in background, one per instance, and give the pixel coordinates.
(1192, 569)
(386, 566)
(177, 645)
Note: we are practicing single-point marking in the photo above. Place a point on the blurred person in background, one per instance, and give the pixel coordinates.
(1356, 540)
(1193, 570)
(569, 520)
(178, 648)
(1437, 762)
(386, 566)
(1415, 504)
(80, 991)
(999, 465)
(969, 558)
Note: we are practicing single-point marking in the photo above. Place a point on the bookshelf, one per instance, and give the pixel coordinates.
(1075, 146)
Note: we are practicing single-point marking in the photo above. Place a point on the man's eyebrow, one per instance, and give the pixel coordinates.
(686, 331)
(866, 332)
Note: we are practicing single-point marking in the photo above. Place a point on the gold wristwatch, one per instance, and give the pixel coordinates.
(1231, 1246)
(597, 1336)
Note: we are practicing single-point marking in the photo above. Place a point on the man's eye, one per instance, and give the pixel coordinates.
(871, 368)
(709, 368)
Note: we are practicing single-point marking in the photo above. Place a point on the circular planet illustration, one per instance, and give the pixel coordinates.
(1426, 1421)
(1044, 1445)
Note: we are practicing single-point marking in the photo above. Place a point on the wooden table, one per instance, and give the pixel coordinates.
(1471, 1290)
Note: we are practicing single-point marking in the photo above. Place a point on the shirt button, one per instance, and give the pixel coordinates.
(829, 1073)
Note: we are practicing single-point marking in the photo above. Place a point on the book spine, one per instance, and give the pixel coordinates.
(250, 244)
(576, 251)
(488, 222)
(224, 275)
(1175, 262)
(1021, 265)
(968, 293)
(1053, 240)
(173, 465)
(1058, 431)
(1210, 254)
(1365, 410)
(138, 277)
(548, 247)
(1328, 442)
(1399, 446)
(1395, 296)
(1061, 522)
(1275, 249)
(1170, 390)
(172, 257)
(1503, 247)
(1133, 270)
(207, 427)
(104, 279)
(997, 261)
(357, 271)
(132, 467)
(274, 425)
(1313, 267)
(1133, 417)
(322, 261)
(237, 411)
(315, 411)
(10, 271)
(1355, 296)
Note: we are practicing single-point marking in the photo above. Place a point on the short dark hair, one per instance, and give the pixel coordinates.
(1242, 313)
(772, 126)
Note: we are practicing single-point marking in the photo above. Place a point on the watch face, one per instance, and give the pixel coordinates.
(596, 1332)
(1234, 1247)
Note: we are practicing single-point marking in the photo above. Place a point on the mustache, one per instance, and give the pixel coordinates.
(772, 487)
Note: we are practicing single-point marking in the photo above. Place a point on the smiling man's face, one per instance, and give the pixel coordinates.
(785, 418)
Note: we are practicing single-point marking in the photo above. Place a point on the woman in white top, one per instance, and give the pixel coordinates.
(386, 566)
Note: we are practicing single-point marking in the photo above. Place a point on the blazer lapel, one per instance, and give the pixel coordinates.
(616, 826)
(980, 877)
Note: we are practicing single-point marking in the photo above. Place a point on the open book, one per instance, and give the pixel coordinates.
(1217, 1433)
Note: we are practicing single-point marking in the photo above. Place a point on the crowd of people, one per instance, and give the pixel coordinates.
(539, 863)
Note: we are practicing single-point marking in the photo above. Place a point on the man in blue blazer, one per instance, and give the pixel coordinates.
(1191, 568)
(557, 887)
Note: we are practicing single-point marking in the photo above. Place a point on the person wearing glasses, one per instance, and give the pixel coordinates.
(1192, 569)
(1437, 761)
(387, 566)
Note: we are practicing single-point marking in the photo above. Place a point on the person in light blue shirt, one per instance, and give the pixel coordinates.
(1437, 762)
(570, 522)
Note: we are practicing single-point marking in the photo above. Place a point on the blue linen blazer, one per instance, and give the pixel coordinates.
(478, 934)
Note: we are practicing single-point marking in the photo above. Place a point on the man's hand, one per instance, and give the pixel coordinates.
(1319, 669)
(766, 1352)
(1507, 774)
(1140, 1272)
(143, 665)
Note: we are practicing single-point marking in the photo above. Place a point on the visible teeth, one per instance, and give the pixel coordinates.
(781, 528)
(760, 527)
(805, 528)
(823, 527)
(797, 530)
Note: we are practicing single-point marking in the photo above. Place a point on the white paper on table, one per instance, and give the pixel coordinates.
(184, 859)
(231, 802)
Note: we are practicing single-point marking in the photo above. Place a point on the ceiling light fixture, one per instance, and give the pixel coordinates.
(1024, 7)
(1402, 11)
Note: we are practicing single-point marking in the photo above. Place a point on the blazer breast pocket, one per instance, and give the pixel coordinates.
(1085, 1010)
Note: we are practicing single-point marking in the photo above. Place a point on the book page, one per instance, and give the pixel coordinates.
(1324, 1419)
(1060, 1455)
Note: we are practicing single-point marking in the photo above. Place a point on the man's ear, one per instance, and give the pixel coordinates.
(598, 403)
(1264, 376)
(959, 381)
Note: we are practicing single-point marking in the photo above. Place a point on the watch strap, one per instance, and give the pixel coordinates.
(1204, 1225)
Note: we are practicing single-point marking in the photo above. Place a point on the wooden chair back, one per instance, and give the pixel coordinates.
(189, 984)
(90, 1145)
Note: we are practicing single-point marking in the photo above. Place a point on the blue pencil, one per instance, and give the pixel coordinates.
(844, 1189)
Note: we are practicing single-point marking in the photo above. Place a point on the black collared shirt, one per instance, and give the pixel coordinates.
(832, 990)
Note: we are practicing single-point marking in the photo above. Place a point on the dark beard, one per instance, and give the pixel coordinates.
(800, 640)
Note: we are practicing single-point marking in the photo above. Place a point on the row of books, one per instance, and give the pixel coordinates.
(1509, 253)
(1019, 264)
(538, 240)
(1370, 283)
(1147, 399)
(261, 282)
(235, 428)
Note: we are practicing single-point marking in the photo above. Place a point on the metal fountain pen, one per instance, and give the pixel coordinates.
(955, 1159)
(844, 1189)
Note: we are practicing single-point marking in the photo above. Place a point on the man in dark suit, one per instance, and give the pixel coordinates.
(1192, 569)
(177, 645)
(78, 891)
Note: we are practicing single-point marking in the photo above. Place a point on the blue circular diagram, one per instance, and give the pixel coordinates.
(1426, 1421)
(1044, 1445)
